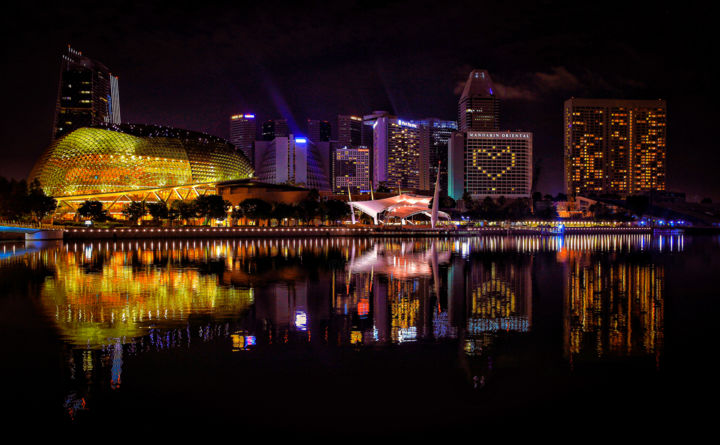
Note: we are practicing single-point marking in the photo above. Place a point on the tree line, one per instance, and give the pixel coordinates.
(21, 201)
(208, 207)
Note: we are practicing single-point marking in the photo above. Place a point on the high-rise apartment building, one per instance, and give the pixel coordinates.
(479, 107)
(275, 128)
(349, 130)
(243, 131)
(490, 164)
(291, 160)
(351, 168)
(434, 136)
(87, 94)
(614, 146)
(396, 151)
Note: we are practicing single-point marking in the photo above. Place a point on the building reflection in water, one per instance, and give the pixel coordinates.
(110, 301)
(613, 305)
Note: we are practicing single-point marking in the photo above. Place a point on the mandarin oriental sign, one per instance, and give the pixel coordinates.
(500, 135)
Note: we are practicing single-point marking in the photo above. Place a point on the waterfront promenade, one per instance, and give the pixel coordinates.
(310, 231)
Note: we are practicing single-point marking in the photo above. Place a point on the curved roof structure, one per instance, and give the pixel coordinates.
(124, 158)
(402, 206)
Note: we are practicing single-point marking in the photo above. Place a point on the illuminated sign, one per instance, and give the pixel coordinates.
(500, 135)
(241, 116)
(300, 140)
(406, 123)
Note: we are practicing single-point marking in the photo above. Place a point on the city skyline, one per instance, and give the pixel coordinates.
(535, 71)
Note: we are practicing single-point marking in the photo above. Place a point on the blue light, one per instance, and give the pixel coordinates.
(301, 320)
(300, 140)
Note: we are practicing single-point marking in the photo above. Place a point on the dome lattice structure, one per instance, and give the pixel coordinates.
(127, 158)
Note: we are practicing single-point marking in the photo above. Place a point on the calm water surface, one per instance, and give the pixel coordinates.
(361, 335)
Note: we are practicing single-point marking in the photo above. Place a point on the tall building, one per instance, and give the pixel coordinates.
(351, 168)
(490, 164)
(318, 131)
(291, 160)
(275, 128)
(87, 94)
(434, 137)
(614, 146)
(479, 107)
(349, 130)
(396, 151)
(243, 131)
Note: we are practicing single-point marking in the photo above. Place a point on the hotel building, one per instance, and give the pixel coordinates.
(490, 164)
(243, 131)
(614, 146)
(88, 94)
(396, 151)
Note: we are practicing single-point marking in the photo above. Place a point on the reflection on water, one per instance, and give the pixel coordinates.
(110, 301)
(613, 306)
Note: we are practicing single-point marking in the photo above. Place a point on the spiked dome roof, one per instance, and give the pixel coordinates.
(126, 158)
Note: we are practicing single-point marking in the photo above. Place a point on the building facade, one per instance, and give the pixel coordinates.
(275, 128)
(351, 168)
(318, 131)
(434, 137)
(396, 151)
(349, 131)
(490, 164)
(615, 146)
(88, 94)
(291, 160)
(243, 131)
(479, 107)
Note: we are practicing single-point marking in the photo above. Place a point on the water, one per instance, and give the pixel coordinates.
(343, 335)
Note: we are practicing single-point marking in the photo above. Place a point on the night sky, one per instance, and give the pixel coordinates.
(191, 67)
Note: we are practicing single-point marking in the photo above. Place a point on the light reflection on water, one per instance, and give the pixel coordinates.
(110, 300)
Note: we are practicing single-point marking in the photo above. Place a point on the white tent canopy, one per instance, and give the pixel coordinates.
(402, 206)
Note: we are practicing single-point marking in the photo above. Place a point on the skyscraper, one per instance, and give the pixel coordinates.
(396, 151)
(349, 131)
(479, 107)
(490, 164)
(243, 131)
(434, 137)
(614, 146)
(291, 160)
(275, 128)
(87, 94)
(318, 131)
